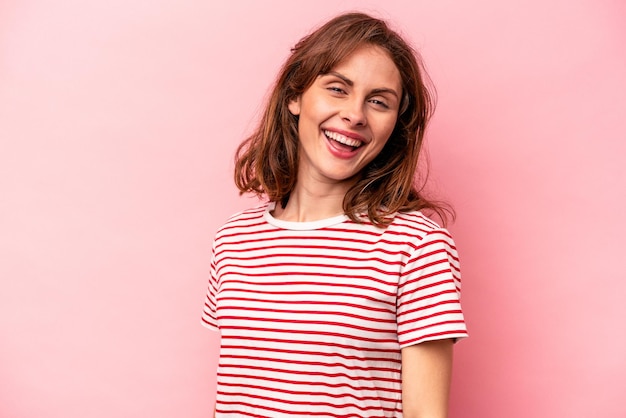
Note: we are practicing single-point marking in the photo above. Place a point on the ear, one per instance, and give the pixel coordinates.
(294, 106)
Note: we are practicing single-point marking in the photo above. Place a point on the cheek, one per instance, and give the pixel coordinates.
(316, 108)
(387, 127)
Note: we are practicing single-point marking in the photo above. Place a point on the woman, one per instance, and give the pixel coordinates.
(338, 297)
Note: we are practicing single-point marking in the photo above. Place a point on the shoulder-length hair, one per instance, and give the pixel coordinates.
(266, 163)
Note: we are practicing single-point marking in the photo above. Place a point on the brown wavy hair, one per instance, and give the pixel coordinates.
(266, 163)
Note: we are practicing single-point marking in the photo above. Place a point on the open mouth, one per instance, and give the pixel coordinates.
(343, 141)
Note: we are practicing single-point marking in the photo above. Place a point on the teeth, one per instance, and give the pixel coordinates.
(343, 139)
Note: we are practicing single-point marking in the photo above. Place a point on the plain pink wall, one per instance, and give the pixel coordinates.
(118, 121)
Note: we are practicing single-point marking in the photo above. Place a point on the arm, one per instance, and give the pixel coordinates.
(426, 373)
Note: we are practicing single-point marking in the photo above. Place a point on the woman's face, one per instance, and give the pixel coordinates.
(347, 116)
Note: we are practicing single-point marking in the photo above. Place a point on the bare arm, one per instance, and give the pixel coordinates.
(426, 373)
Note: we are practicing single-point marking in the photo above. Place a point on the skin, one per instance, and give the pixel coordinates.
(426, 373)
(360, 98)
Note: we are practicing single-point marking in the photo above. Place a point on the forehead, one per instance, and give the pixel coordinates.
(370, 64)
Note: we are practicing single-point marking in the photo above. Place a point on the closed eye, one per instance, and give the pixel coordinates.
(337, 90)
(379, 103)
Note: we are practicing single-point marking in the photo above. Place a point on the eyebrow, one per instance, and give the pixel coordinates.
(351, 84)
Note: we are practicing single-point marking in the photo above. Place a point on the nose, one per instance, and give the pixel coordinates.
(353, 113)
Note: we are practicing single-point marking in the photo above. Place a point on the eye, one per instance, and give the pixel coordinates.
(379, 103)
(336, 89)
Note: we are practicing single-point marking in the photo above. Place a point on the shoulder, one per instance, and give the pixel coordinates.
(243, 219)
(246, 214)
(415, 223)
(419, 231)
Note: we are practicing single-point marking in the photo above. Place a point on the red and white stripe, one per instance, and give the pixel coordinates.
(313, 315)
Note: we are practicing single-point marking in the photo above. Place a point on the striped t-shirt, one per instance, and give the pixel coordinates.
(313, 315)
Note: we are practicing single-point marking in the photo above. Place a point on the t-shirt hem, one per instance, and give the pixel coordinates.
(208, 326)
(455, 337)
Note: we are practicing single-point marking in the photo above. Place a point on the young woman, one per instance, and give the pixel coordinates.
(338, 297)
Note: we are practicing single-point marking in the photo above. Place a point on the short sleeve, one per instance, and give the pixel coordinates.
(429, 292)
(209, 316)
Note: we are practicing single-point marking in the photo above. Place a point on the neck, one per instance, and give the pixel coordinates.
(312, 203)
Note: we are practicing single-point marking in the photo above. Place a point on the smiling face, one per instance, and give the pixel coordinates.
(346, 116)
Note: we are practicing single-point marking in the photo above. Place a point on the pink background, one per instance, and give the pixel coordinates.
(118, 121)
